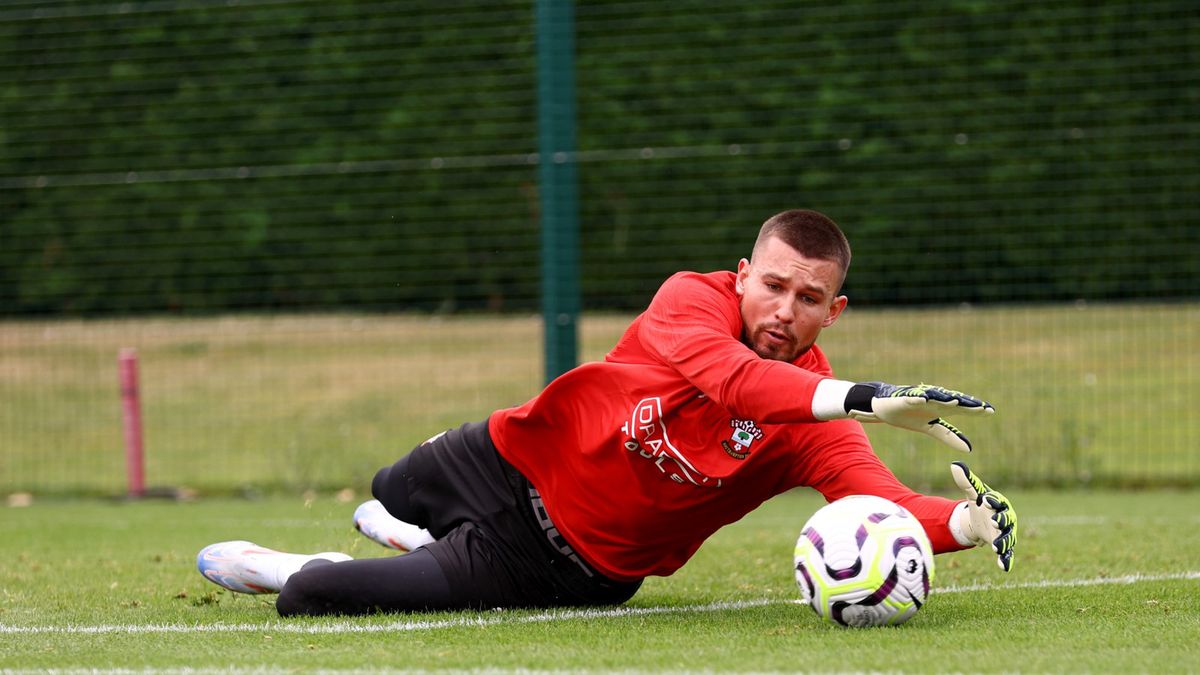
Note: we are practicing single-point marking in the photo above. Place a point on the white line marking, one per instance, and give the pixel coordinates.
(1071, 583)
(1101, 520)
(501, 617)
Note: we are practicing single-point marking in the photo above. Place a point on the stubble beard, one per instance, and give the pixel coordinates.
(756, 341)
(753, 340)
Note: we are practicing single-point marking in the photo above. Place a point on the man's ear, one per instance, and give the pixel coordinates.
(743, 272)
(835, 310)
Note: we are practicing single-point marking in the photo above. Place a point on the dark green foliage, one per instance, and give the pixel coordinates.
(214, 156)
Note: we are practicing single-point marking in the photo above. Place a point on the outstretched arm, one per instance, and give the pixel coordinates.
(844, 464)
(693, 326)
(838, 461)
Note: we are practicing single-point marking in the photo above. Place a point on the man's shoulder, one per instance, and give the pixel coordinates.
(722, 281)
(717, 278)
(698, 294)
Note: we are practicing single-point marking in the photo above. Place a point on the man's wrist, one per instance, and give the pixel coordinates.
(859, 398)
(960, 523)
(829, 399)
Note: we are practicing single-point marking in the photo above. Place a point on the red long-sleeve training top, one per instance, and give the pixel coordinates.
(683, 429)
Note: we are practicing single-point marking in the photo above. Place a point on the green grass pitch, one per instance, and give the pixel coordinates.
(1104, 582)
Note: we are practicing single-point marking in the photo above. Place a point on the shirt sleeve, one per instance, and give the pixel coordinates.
(842, 463)
(694, 326)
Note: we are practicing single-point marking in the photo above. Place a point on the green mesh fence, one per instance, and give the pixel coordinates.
(318, 222)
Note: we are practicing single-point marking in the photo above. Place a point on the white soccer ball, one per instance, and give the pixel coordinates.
(864, 561)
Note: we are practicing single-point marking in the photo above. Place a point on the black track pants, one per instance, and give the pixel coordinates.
(494, 547)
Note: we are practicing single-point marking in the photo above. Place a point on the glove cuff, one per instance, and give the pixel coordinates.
(860, 398)
(830, 399)
(960, 525)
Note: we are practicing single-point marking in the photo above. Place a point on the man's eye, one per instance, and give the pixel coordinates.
(774, 287)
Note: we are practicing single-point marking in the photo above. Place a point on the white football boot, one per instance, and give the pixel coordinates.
(383, 528)
(249, 568)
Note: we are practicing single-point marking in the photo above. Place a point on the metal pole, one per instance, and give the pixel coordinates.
(558, 183)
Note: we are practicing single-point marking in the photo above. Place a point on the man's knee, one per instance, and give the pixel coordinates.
(379, 484)
(390, 486)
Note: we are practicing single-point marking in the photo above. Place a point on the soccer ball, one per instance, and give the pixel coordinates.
(864, 561)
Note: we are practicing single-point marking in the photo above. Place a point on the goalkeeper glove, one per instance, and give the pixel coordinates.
(986, 518)
(916, 408)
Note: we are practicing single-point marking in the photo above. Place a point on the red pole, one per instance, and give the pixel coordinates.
(131, 414)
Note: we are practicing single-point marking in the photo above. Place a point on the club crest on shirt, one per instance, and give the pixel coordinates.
(745, 432)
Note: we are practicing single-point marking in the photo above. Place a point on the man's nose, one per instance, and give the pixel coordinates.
(784, 312)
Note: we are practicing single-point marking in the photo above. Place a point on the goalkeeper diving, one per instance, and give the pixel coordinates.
(715, 399)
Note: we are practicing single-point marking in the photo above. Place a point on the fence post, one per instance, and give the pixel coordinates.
(558, 180)
(131, 414)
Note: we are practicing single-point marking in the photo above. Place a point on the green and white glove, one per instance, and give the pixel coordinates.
(987, 518)
(917, 408)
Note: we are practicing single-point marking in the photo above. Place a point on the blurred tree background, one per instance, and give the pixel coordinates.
(201, 157)
(358, 182)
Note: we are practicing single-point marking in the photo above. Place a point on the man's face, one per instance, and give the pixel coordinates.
(786, 299)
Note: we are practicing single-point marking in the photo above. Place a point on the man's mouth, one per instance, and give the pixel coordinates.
(777, 335)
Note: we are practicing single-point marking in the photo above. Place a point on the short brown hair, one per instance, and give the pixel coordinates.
(813, 234)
